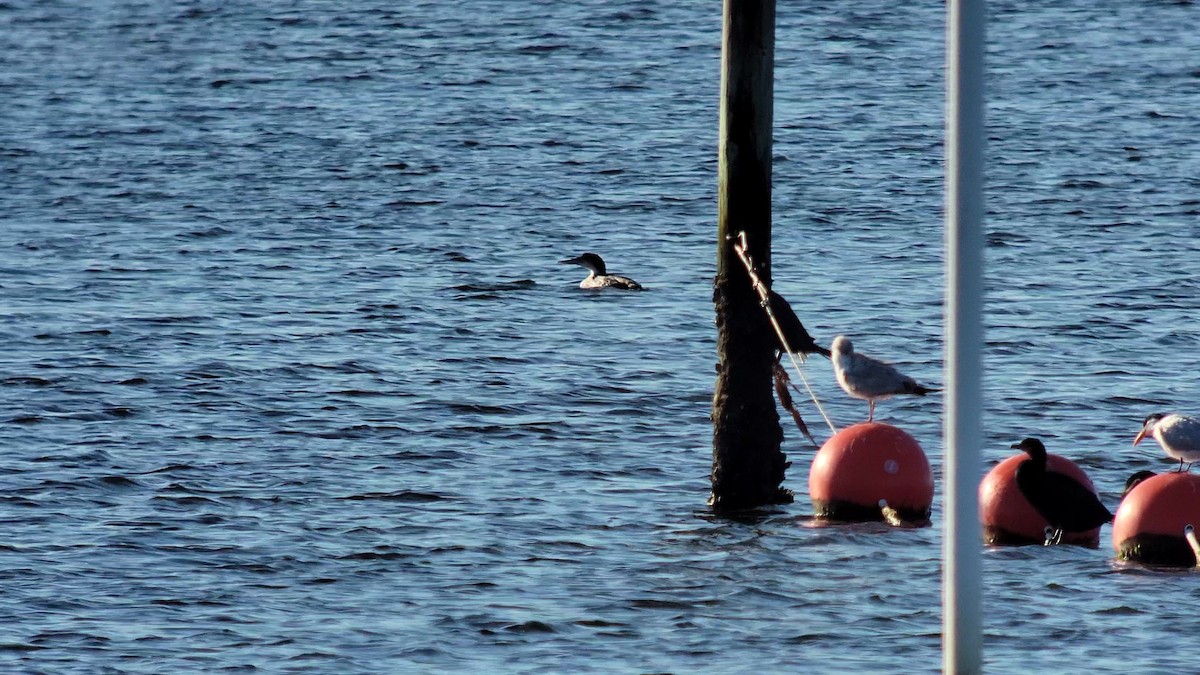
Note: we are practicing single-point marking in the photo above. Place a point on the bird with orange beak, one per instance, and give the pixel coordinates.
(1179, 436)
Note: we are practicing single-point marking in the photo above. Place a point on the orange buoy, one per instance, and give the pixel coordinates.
(1008, 517)
(1150, 523)
(864, 467)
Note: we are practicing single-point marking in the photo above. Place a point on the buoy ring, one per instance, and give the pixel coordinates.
(866, 467)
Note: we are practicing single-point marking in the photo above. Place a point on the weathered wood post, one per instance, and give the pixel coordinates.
(748, 466)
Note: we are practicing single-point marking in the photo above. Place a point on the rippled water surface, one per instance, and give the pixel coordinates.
(292, 380)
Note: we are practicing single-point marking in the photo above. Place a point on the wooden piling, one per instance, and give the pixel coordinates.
(748, 466)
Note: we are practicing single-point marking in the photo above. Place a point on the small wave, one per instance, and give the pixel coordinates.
(169, 467)
(419, 455)
(360, 393)
(215, 231)
(166, 320)
(398, 496)
(599, 623)
(25, 381)
(542, 49)
(356, 431)
(1082, 184)
(375, 555)
(518, 285)
(188, 500)
(119, 481)
(221, 82)
(19, 647)
(482, 409)
(340, 78)
(1122, 610)
(806, 638)
(403, 203)
(652, 603)
(530, 627)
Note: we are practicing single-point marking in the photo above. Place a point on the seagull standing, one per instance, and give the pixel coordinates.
(864, 377)
(1179, 436)
(1065, 503)
(599, 277)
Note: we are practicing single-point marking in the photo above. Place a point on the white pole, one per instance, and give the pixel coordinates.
(962, 630)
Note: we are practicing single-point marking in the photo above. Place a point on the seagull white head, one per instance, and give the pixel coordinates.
(842, 345)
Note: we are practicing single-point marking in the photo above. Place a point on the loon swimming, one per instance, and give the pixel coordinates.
(599, 277)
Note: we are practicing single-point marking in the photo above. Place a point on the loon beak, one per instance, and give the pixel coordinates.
(1015, 446)
(570, 261)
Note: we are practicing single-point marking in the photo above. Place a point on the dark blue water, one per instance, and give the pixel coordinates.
(292, 380)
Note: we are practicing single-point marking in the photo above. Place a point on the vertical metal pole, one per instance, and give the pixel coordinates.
(962, 630)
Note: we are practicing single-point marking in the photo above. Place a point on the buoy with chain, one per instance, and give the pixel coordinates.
(872, 471)
(1010, 520)
(1154, 520)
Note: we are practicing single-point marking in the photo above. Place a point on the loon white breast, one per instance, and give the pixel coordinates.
(599, 277)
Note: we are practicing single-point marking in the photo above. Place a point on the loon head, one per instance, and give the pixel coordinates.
(589, 260)
(1135, 480)
(1032, 447)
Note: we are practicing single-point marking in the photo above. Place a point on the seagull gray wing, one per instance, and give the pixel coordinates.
(875, 378)
(1183, 433)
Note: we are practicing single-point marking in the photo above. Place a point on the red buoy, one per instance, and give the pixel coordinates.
(1010, 520)
(866, 464)
(1150, 523)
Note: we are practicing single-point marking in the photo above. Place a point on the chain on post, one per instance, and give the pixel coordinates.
(742, 249)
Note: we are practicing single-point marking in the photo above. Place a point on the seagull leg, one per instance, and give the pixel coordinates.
(871, 411)
(1180, 469)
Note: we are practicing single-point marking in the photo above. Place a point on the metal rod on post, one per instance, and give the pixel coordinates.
(741, 248)
(962, 629)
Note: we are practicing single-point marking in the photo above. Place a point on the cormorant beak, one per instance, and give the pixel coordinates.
(1141, 434)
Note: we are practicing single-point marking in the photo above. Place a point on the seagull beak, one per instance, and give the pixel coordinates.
(1141, 434)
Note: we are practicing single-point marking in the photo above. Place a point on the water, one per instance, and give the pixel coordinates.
(292, 380)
